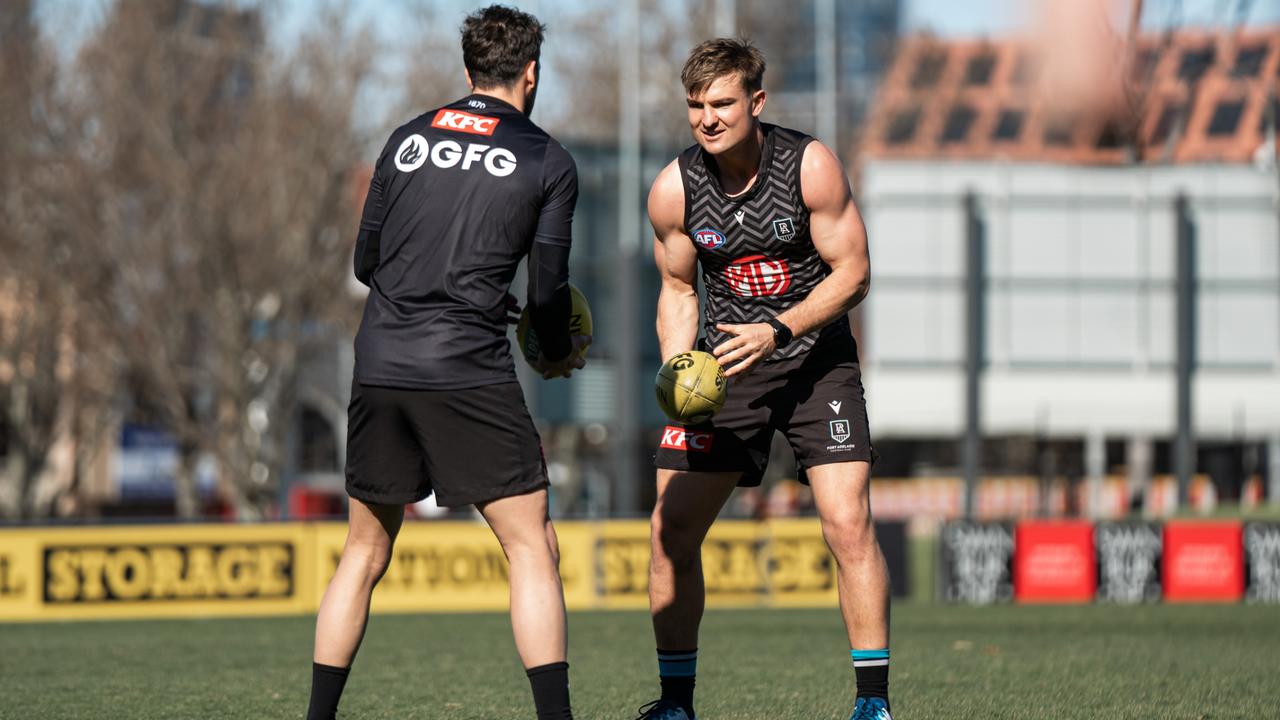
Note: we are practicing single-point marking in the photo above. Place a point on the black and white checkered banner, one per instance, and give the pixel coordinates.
(977, 562)
(1129, 555)
(1262, 562)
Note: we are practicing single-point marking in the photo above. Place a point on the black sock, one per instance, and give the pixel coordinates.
(550, 685)
(677, 671)
(872, 670)
(326, 689)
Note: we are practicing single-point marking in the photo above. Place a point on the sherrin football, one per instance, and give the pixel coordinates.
(691, 387)
(579, 324)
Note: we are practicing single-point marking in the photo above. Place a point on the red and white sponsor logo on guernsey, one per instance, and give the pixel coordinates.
(757, 275)
(464, 122)
(674, 438)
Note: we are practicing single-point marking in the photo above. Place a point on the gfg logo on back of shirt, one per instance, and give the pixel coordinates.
(444, 154)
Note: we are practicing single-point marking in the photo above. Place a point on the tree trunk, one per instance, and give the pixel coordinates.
(186, 495)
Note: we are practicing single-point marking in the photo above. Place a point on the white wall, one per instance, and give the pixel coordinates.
(1081, 266)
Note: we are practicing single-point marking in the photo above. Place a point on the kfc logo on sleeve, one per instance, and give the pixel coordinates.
(674, 438)
(460, 121)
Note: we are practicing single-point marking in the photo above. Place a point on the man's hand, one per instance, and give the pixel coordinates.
(565, 367)
(749, 345)
(513, 310)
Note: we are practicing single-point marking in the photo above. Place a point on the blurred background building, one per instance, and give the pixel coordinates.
(1074, 226)
(1075, 305)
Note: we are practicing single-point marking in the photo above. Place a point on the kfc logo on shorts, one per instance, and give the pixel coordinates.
(708, 239)
(464, 122)
(674, 438)
(757, 275)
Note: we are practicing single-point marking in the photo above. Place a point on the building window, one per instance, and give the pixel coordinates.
(902, 127)
(979, 70)
(929, 69)
(1008, 125)
(959, 120)
(1111, 137)
(1059, 131)
(1169, 117)
(1195, 63)
(1269, 119)
(1249, 61)
(1226, 118)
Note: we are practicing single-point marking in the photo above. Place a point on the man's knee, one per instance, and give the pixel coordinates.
(371, 558)
(529, 545)
(851, 535)
(553, 544)
(675, 540)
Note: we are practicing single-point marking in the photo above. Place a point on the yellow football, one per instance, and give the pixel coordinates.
(579, 324)
(691, 387)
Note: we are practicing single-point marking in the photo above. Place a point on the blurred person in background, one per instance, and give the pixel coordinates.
(768, 214)
(459, 196)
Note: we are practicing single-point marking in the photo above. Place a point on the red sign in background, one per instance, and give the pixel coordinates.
(1203, 562)
(1054, 562)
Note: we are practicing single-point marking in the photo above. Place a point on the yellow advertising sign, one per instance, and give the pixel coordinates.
(455, 566)
(802, 572)
(155, 571)
(216, 570)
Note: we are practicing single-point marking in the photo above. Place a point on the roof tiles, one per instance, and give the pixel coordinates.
(1191, 96)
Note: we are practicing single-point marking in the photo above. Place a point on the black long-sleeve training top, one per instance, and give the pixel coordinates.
(459, 196)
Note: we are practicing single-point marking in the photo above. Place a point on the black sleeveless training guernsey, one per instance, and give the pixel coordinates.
(754, 248)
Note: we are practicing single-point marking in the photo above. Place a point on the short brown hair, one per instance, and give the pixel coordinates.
(716, 58)
(497, 43)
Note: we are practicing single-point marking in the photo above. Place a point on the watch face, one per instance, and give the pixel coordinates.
(781, 333)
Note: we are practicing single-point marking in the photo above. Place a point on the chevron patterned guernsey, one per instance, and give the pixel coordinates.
(754, 248)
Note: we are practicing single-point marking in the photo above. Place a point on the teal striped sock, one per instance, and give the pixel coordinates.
(677, 671)
(872, 670)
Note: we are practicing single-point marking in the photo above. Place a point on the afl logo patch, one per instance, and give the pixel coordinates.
(708, 239)
(412, 153)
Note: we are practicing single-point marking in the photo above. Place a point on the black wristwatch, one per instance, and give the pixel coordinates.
(781, 333)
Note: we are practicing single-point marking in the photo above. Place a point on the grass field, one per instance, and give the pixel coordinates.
(948, 662)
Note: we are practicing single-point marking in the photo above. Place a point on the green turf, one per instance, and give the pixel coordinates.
(948, 662)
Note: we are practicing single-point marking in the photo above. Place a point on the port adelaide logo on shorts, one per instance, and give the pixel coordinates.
(708, 239)
(840, 430)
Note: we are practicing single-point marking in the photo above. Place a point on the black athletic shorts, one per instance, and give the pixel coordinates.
(818, 405)
(467, 446)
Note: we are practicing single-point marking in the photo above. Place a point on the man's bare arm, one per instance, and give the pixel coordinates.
(840, 238)
(677, 261)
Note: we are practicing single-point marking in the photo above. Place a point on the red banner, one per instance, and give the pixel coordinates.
(1054, 562)
(1203, 562)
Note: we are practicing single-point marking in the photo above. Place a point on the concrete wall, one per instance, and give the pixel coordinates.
(1080, 314)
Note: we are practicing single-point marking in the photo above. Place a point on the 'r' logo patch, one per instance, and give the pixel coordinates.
(784, 229)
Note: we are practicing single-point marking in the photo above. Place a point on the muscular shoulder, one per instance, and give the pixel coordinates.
(666, 199)
(823, 182)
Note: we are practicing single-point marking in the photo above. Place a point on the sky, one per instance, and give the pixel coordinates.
(948, 18)
(944, 17)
